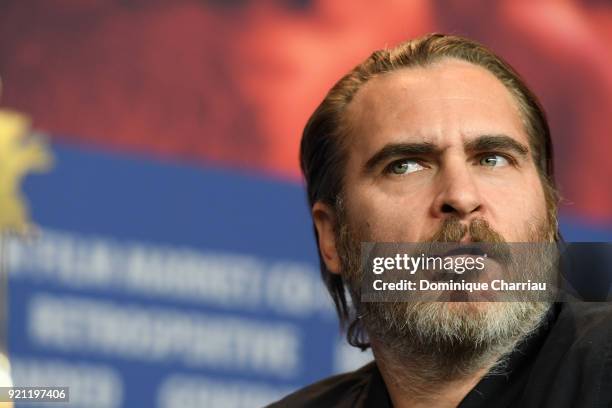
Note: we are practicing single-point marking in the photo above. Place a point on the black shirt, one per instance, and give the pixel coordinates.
(566, 363)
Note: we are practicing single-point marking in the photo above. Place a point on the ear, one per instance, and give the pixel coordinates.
(324, 218)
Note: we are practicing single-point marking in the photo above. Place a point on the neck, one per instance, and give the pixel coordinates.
(420, 382)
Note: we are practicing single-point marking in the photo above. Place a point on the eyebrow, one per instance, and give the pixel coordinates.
(392, 150)
(480, 144)
(496, 142)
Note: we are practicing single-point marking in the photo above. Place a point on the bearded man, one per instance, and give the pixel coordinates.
(440, 140)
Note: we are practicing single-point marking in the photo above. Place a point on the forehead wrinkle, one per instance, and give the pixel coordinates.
(385, 97)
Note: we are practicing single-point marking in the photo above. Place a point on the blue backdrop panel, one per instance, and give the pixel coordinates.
(158, 284)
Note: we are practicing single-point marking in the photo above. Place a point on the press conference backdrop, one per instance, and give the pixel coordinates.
(175, 263)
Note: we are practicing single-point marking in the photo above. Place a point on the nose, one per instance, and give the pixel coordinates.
(457, 193)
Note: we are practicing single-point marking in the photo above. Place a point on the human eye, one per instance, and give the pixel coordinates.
(403, 166)
(494, 160)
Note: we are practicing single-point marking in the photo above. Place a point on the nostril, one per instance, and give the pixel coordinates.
(446, 208)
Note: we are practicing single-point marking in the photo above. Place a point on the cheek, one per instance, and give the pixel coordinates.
(535, 199)
(382, 217)
(516, 211)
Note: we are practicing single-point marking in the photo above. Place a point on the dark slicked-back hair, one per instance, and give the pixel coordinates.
(323, 146)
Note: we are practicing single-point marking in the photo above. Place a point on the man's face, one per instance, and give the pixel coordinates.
(432, 151)
(428, 143)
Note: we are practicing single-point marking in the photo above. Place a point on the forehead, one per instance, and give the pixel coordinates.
(447, 101)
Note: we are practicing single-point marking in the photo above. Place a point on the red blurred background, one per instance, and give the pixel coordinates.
(232, 83)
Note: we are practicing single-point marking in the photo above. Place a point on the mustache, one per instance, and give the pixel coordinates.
(453, 230)
(483, 238)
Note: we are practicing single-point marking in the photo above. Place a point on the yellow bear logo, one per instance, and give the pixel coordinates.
(21, 152)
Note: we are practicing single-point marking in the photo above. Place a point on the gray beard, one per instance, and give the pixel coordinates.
(430, 343)
(442, 342)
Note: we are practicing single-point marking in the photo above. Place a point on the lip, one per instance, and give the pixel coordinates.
(491, 251)
(459, 249)
(473, 250)
(465, 240)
